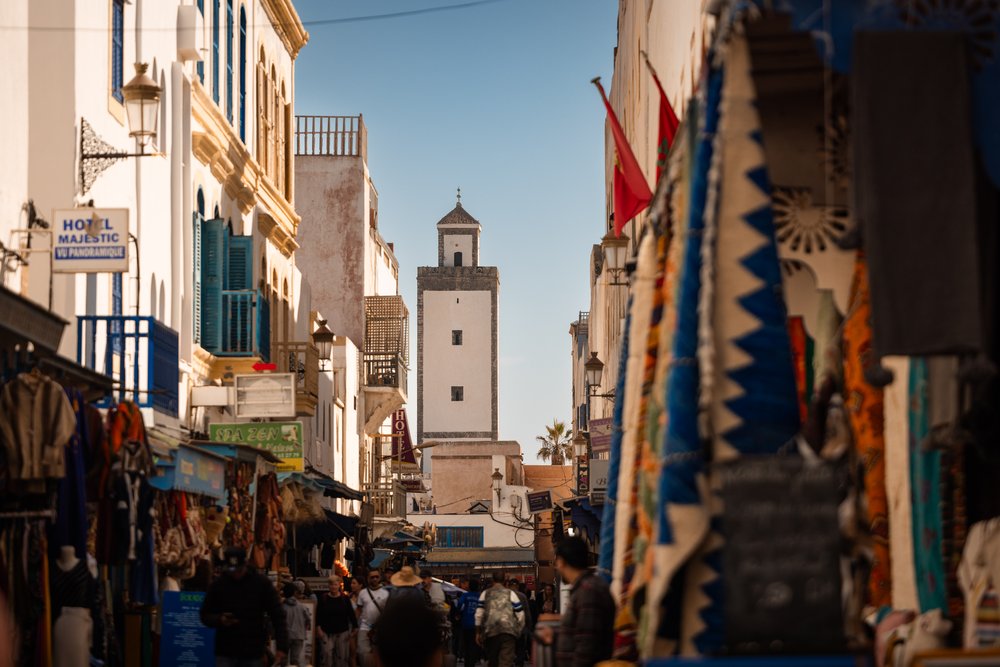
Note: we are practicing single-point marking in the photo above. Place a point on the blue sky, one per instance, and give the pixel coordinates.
(495, 98)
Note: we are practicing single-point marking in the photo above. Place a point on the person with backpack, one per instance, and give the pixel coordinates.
(371, 602)
(467, 606)
(499, 622)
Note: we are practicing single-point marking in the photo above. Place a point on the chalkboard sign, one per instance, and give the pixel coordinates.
(781, 564)
(539, 501)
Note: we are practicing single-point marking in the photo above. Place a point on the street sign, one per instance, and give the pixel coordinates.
(600, 435)
(539, 501)
(199, 473)
(265, 395)
(262, 366)
(283, 439)
(598, 480)
(90, 240)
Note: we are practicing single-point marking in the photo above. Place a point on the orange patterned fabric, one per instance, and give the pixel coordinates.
(866, 413)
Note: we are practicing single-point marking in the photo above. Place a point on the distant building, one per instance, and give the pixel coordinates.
(457, 339)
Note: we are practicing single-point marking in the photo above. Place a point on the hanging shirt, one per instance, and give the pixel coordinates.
(36, 422)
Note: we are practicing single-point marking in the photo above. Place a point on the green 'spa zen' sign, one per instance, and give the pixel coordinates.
(283, 439)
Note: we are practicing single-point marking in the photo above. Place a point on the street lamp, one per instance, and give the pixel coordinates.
(323, 339)
(593, 369)
(615, 249)
(142, 106)
(497, 478)
(142, 111)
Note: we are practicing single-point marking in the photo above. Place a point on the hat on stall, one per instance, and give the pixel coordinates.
(405, 577)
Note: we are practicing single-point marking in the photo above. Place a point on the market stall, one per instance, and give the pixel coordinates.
(805, 411)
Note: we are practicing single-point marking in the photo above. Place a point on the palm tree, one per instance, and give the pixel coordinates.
(556, 443)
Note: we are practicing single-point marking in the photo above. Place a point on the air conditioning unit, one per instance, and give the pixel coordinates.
(190, 33)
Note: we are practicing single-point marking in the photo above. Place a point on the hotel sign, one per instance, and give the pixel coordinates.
(90, 240)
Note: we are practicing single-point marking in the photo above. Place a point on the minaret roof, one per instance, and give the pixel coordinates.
(458, 215)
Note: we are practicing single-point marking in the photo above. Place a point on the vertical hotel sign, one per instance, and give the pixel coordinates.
(90, 240)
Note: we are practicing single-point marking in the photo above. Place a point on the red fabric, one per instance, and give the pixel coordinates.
(667, 128)
(800, 357)
(631, 192)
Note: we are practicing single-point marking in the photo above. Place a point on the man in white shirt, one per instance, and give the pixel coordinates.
(371, 602)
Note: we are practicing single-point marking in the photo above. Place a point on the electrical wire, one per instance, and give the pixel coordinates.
(315, 23)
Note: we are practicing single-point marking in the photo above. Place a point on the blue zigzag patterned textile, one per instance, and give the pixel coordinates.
(682, 521)
(606, 556)
(753, 406)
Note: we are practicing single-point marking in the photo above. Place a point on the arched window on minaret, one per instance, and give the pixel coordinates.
(458, 259)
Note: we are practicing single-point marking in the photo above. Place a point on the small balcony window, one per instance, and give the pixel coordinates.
(458, 394)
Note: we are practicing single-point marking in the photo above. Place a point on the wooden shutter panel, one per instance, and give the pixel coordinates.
(240, 272)
(238, 334)
(213, 271)
(197, 276)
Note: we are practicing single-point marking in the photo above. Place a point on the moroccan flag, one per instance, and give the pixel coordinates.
(631, 193)
(668, 124)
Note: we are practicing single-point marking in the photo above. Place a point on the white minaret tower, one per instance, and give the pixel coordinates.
(457, 325)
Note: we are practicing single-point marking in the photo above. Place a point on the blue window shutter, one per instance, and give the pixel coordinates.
(264, 327)
(216, 19)
(198, 217)
(240, 272)
(213, 271)
(117, 48)
(229, 61)
(201, 63)
(239, 314)
(166, 374)
(243, 74)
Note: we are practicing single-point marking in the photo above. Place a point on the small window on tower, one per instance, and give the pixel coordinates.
(458, 259)
(458, 393)
(456, 337)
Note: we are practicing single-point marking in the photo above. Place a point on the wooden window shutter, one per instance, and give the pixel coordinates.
(214, 235)
(240, 273)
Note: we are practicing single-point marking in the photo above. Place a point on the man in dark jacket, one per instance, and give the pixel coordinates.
(235, 605)
(585, 634)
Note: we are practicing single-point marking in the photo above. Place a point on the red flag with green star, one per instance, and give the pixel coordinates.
(668, 124)
(631, 192)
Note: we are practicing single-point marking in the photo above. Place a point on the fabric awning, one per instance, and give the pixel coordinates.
(335, 528)
(331, 488)
(585, 517)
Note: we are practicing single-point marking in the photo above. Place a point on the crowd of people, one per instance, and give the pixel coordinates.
(408, 620)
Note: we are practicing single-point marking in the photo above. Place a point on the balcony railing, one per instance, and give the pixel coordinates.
(385, 370)
(139, 354)
(338, 136)
(302, 359)
(246, 325)
(387, 497)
